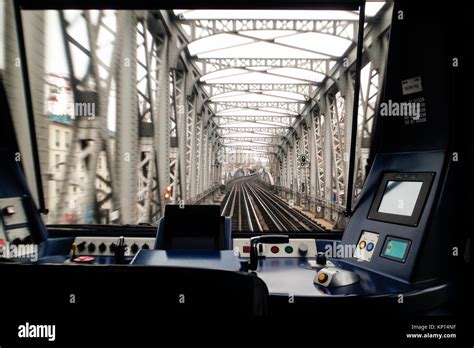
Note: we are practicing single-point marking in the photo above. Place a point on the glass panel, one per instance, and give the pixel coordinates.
(244, 78)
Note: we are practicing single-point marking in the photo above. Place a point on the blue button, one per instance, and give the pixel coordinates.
(370, 246)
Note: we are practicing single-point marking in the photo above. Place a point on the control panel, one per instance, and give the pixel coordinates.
(366, 246)
(294, 248)
(105, 246)
(14, 223)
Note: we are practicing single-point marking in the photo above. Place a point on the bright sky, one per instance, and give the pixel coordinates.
(55, 55)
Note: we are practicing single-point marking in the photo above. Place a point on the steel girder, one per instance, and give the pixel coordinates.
(215, 64)
(220, 88)
(233, 132)
(147, 72)
(161, 121)
(291, 108)
(90, 133)
(257, 149)
(292, 169)
(266, 141)
(296, 168)
(178, 129)
(316, 140)
(191, 148)
(247, 156)
(203, 164)
(285, 172)
(328, 156)
(199, 153)
(304, 172)
(127, 160)
(201, 28)
(338, 138)
(282, 120)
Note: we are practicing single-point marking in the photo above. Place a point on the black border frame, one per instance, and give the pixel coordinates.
(384, 246)
(218, 240)
(425, 178)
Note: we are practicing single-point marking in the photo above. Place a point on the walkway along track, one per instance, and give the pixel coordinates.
(253, 208)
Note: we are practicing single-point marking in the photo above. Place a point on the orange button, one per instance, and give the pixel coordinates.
(362, 244)
(322, 277)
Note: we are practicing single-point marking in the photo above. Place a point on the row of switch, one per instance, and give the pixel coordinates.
(302, 249)
(91, 247)
(294, 248)
(106, 246)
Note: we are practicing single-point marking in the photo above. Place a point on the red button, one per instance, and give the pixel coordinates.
(2, 242)
(84, 259)
(275, 249)
(246, 249)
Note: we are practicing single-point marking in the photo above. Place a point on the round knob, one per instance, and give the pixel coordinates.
(303, 249)
(102, 247)
(134, 248)
(321, 259)
(145, 246)
(322, 277)
(16, 241)
(81, 246)
(112, 247)
(91, 247)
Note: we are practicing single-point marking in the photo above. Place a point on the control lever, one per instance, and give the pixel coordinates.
(266, 239)
(119, 252)
(320, 262)
(321, 259)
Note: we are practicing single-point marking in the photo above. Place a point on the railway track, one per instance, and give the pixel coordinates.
(254, 209)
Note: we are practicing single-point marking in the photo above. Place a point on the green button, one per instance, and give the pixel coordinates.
(289, 249)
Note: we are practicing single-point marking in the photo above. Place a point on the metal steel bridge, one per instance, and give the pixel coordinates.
(196, 98)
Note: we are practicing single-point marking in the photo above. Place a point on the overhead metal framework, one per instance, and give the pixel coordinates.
(283, 82)
(193, 95)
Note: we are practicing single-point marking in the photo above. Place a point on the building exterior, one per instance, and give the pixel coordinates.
(59, 109)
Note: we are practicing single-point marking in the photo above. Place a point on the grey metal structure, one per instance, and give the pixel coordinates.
(183, 112)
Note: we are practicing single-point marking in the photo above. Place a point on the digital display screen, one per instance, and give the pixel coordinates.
(400, 197)
(396, 249)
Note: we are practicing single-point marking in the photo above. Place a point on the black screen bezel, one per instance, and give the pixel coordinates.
(412, 220)
(203, 220)
(390, 238)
